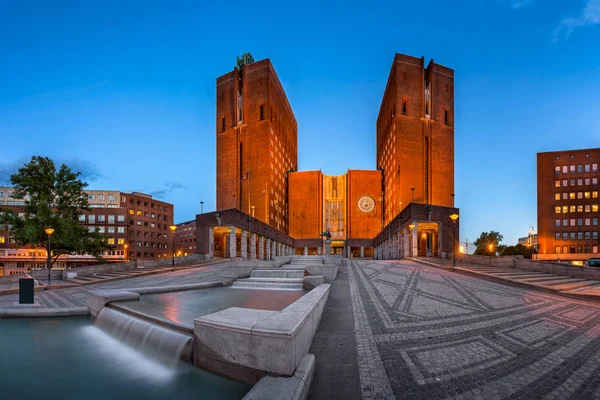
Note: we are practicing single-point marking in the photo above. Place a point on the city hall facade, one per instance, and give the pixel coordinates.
(267, 206)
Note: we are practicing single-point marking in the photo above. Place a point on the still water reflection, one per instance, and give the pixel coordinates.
(182, 307)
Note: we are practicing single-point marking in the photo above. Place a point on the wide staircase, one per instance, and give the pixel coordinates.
(303, 260)
(276, 279)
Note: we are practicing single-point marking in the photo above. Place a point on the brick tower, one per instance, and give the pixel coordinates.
(257, 142)
(415, 135)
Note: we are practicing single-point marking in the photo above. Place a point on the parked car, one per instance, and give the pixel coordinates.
(593, 262)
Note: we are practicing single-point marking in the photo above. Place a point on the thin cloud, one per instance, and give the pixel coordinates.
(167, 188)
(589, 16)
(89, 171)
(520, 3)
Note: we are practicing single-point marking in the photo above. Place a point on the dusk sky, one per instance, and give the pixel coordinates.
(125, 91)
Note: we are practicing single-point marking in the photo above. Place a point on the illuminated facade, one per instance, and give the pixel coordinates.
(134, 223)
(257, 171)
(567, 205)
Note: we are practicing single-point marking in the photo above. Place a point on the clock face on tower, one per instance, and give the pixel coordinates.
(366, 204)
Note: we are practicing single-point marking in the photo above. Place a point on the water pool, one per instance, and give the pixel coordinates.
(182, 307)
(70, 358)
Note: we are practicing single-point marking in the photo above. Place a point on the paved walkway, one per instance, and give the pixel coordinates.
(427, 333)
(77, 296)
(334, 346)
(584, 288)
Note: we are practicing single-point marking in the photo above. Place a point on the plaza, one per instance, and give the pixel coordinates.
(403, 329)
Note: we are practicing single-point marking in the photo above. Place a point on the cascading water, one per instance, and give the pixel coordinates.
(153, 340)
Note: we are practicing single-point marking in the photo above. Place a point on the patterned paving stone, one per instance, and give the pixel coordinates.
(439, 334)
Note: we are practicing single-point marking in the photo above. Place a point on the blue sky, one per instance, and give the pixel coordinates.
(125, 91)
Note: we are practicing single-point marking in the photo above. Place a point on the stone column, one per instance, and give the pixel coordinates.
(273, 248)
(244, 244)
(400, 252)
(305, 250)
(253, 246)
(261, 247)
(268, 250)
(414, 241)
(232, 243)
(211, 243)
(362, 252)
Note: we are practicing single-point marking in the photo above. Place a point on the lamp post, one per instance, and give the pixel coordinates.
(125, 248)
(49, 231)
(454, 218)
(490, 247)
(410, 239)
(173, 227)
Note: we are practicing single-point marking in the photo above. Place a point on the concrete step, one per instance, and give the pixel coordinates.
(490, 270)
(527, 276)
(253, 279)
(274, 285)
(575, 286)
(277, 273)
(543, 279)
(562, 281)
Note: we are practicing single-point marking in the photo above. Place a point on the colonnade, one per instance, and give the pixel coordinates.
(252, 245)
(398, 244)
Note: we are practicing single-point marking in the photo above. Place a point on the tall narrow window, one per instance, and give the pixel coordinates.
(404, 106)
(426, 170)
(446, 117)
(262, 112)
(222, 124)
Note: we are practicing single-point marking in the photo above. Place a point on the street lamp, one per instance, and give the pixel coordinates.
(491, 247)
(173, 227)
(454, 218)
(410, 245)
(125, 247)
(49, 231)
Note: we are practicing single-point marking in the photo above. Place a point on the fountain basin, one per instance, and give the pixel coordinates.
(246, 344)
(182, 307)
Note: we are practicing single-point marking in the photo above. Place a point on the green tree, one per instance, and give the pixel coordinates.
(517, 250)
(489, 243)
(53, 199)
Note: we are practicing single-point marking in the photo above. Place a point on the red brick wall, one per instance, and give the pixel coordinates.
(268, 144)
(407, 133)
(361, 224)
(306, 204)
(546, 203)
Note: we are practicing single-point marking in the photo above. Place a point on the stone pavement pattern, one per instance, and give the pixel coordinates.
(77, 296)
(426, 333)
(336, 364)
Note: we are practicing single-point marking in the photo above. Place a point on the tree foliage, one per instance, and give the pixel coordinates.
(486, 239)
(518, 250)
(53, 198)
